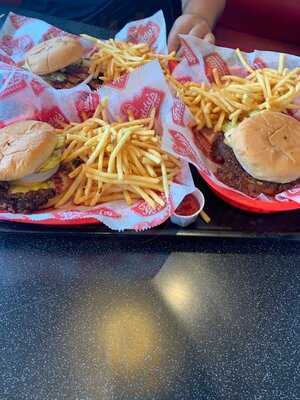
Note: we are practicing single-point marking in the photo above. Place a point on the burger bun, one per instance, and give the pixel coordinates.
(53, 55)
(267, 145)
(24, 147)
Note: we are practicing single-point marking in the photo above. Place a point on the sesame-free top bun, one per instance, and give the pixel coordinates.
(267, 145)
(53, 55)
(24, 147)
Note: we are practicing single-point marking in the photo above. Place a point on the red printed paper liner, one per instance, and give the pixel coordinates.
(26, 96)
(199, 59)
(150, 30)
(19, 34)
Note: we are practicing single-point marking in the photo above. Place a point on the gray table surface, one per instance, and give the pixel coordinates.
(111, 319)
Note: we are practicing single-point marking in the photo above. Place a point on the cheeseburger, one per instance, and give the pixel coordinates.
(60, 61)
(260, 155)
(30, 154)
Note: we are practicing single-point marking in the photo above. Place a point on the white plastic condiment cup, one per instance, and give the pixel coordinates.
(185, 220)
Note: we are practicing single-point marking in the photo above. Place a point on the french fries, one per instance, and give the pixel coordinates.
(116, 161)
(232, 98)
(115, 58)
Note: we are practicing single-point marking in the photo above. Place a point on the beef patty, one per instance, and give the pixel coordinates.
(23, 202)
(231, 173)
(71, 76)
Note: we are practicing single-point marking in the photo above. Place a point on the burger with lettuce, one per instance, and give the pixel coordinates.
(30, 172)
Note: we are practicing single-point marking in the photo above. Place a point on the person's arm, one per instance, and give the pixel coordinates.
(198, 18)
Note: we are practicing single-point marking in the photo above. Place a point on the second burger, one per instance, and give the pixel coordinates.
(60, 62)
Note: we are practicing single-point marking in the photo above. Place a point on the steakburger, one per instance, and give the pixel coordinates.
(30, 154)
(260, 155)
(60, 62)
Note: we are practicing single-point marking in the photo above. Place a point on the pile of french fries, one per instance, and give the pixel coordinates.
(116, 161)
(232, 98)
(115, 58)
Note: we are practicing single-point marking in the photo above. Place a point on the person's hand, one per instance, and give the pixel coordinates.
(192, 24)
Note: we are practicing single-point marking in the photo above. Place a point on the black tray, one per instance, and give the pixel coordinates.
(226, 220)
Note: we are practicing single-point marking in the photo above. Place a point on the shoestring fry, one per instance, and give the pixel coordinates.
(231, 98)
(116, 161)
(114, 58)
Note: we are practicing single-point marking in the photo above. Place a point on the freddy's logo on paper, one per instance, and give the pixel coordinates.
(142, 105)
(18, 20)
(142, 208)
(54, 116)
(14, 85)
(259, 63)
(178, 110)
(144, 33)
(182, 147)
(54, 32)
(184, 79)
(87, 103)
(142, 226)
(215, 61)
(119, 83)
(15, 46)
(37, 87)
(188, 53)
(5, 58)
(105, 212)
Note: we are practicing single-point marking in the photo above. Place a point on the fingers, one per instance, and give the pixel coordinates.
(181, 26)
(199, 30)
(189, 24)
(210, 38)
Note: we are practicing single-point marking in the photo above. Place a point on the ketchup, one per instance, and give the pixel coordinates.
(189, 206)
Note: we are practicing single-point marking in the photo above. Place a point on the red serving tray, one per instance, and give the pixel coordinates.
(249, 204)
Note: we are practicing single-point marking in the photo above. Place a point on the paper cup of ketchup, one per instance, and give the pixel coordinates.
(189, 209)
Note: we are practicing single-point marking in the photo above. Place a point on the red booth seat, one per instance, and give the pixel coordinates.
(261, 25)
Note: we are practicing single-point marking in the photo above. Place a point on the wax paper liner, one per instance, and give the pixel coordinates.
(150, 30)
(198, 60)
(25, 96)
(19, 34)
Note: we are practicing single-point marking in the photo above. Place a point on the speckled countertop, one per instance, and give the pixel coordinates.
(131, 319)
